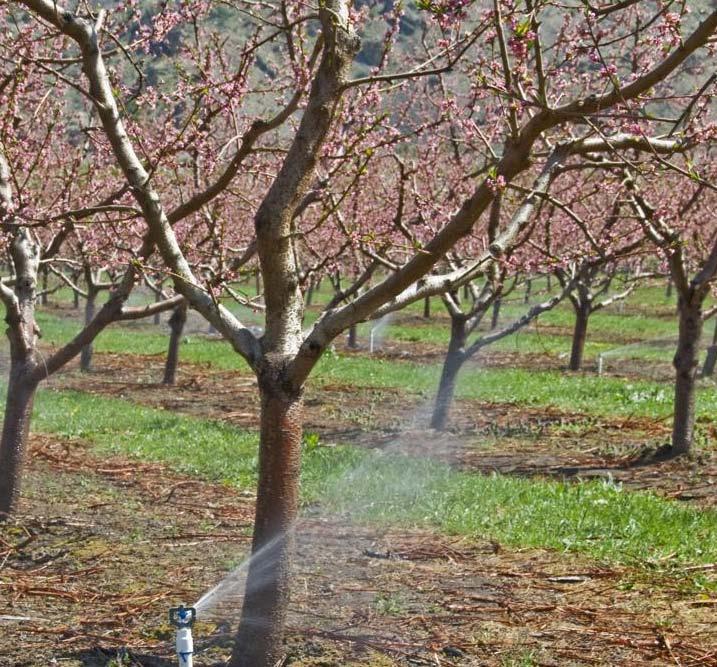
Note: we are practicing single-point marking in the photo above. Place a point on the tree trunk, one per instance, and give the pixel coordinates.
(549, 284)
(528, 290)
(668, 290)
(310, 293)
(86, 354)
(496, 314)
(582, 315)
(176, 327)
(157, 319)
(427, 308)
(259, 638)
(75, 299)
(709, 368)
(455, 356)
(685, 363)
(16, 427)
(353, 337)
(43, 294)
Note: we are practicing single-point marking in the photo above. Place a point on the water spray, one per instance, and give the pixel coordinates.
(183, 619)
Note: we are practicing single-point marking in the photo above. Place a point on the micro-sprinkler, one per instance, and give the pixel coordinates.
(183, 619)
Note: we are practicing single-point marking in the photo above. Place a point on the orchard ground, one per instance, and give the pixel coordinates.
(540, 530)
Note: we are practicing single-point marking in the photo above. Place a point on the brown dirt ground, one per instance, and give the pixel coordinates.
(101, 548)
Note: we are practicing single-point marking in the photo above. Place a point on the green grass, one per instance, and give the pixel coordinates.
(568, 391)
(596, 518)
(573, 392)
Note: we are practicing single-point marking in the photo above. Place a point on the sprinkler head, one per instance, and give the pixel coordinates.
(182, 617)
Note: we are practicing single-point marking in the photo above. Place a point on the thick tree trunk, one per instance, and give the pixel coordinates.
(495, 317)
(685, 363)
(16, 427)
(259, 638)
(86, 354)
(709, 368)
(427, 308)
(176, 328)
(353, 337)
(455, 356)
(580, 331)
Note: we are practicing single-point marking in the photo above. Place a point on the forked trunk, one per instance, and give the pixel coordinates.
(685, 363)
(16, 427)
(259, 638)
(176, 328)
(86, 354)
(451, 366)
(580, 331)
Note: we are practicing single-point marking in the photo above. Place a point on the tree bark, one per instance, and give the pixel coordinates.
(528, 291)
(176, 328)
(582, 316)
(87, 350)
(16, 427)
(668, 290)
(259, 638)
(455, 356)
(685, 363)
(427, 308)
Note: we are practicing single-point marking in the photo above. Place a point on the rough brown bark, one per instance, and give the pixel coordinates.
(580, 330)
(455, 356)
(176, 328)
(16, 427)
(259, 638)
(685, 363)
